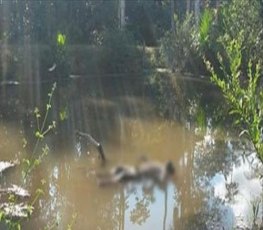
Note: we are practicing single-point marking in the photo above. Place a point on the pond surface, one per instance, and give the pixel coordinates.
(215, 186)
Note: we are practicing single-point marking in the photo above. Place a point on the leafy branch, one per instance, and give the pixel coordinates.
(42, 130)
(242, 91)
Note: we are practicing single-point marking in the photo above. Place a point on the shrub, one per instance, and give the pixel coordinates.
(119, 54)
(245, 98)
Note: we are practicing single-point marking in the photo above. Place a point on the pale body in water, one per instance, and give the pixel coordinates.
(154, 171)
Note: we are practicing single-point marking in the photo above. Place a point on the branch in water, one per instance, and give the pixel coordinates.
(94, 142)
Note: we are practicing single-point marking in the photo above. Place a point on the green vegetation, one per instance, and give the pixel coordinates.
(118, 54)
(245, 99)
(229, 37)
(205, 26)
(238, 67)
(61, 39)
(177, 47)
(242, 15)
(35, 157)
(42, 130)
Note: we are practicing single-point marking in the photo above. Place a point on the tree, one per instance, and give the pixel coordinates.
(121, 13)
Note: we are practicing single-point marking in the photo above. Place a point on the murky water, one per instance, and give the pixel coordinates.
(215, 185)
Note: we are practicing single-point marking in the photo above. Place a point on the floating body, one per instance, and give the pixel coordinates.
(154, 171)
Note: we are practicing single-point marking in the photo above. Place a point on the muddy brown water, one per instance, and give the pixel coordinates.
(214, 187)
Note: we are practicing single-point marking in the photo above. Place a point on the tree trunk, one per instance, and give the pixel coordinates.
(197, 11)
(172, 16)
(121, 13)
(188, 6)
(217, 7)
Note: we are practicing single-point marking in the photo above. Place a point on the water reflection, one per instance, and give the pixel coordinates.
(150, 210)
(227, 181)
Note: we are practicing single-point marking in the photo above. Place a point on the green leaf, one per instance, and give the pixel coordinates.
(206, 21)
(234, 111)
(63, 115)
(37, 162)
(30, 209)
(61, 39)
(26, 161)
(24, 142)
(2, 215)
(36, 111)
(48, 106)
(39, 135)
(39, 191)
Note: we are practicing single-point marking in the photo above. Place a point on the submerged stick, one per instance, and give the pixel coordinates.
(94, 142)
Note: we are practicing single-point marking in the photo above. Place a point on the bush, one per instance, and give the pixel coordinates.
(245, 98)
(119, 54)
(179, 48)
(243, 15)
